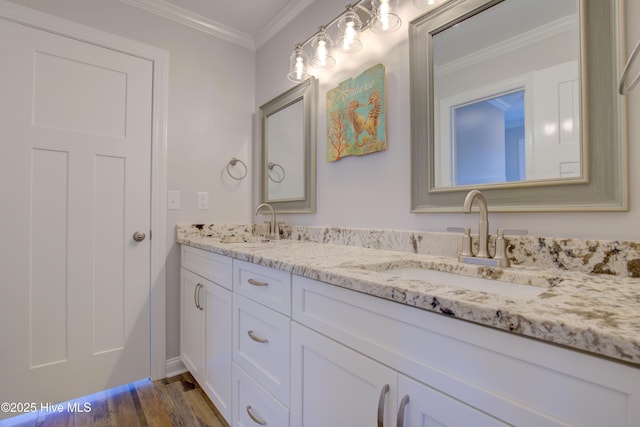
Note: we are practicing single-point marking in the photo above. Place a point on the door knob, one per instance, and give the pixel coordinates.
(139, 236)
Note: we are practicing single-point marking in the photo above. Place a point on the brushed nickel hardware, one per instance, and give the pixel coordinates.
(483, 257)
(274, 232)
(381, 399)
(139, 236)
(255, 282)
(256, 418)
(625, 86)
(196, 296)
(256, 338)
(233, 162)
(403, 403)
(483, 225)
(466, 239)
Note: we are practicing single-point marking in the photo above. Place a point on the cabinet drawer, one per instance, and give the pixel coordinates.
(261, 343)
(253, 405)
(265, 285)
(215, 267)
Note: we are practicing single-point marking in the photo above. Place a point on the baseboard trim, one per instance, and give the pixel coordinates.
(175, 367)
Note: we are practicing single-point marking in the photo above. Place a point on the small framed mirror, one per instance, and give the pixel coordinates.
(288, 161)
(518, 98)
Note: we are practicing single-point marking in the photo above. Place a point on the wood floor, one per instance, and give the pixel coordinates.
(177, 401)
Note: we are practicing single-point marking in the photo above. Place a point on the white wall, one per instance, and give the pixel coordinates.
(374, 190)
(211, 104)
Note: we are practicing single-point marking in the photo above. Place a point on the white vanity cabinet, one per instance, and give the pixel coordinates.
(261, 345)
(205, 323)
(347, 345)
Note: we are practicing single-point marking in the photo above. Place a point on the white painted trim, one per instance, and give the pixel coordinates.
(160, 59)
(201, 23)
(279, 21)
(193, 20)
(175, 367)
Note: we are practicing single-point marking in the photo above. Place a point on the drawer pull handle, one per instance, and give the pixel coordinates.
(256, 418)
(403, 403)
(383, 395)
(256, 338)
(255, 282)
(196, 296)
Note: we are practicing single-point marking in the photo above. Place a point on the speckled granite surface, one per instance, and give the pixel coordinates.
(597, 313)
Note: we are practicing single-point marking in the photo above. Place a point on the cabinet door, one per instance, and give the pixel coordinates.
(217, 327)
(336, 386)
(192, 303)
(424, 406)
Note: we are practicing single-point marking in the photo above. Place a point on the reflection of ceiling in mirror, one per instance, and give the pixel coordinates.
(503, 21)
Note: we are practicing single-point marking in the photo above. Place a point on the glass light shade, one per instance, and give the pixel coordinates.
(384, 18)
(424, 4)
(322, 46)
(298, 65)
(349, 26)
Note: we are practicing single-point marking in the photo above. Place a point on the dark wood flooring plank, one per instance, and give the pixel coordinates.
(122, 411)
(171, 402)
(99, 414)
(152, 404)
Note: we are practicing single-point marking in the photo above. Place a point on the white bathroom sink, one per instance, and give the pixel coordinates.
(508, 289)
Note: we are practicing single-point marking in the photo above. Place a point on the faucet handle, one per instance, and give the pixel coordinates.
(466, 240)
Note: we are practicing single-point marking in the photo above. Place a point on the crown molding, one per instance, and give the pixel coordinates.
(280, 20)
(198, 22)
(193, 20)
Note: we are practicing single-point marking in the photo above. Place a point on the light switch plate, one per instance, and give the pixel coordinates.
(203, 200)
(173, 200)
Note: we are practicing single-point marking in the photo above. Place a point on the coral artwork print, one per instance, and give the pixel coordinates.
(355, 116)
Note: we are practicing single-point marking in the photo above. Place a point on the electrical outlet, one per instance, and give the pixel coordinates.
(203, 200)
(173, 200)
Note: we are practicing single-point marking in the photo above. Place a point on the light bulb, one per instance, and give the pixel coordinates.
(384, 14)
(322, 52)
(299, 68)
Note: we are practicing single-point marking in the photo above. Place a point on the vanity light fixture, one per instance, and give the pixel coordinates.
(349, 27)
(322, 45)
(298, 65)
(380, 16)
(385, 20)
(423, 4)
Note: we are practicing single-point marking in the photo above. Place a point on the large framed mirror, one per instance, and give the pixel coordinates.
(288, 160)
(518, 98)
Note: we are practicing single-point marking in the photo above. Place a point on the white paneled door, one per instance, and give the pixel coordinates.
(75, 151)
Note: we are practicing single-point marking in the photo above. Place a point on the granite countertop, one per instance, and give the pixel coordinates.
(596, 313)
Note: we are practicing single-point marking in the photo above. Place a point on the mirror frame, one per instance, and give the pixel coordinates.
(307, 91)
(603, 120)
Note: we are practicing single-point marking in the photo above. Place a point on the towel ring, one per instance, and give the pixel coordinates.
(271, 166)
(233, 162)
(623, 88)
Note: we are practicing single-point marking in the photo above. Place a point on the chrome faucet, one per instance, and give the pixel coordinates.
(273, 226)
(483, 225)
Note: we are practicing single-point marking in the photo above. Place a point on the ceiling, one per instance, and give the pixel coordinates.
(248, 23)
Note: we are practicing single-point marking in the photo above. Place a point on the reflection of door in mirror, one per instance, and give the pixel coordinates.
(285, 153)
(507, 95)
